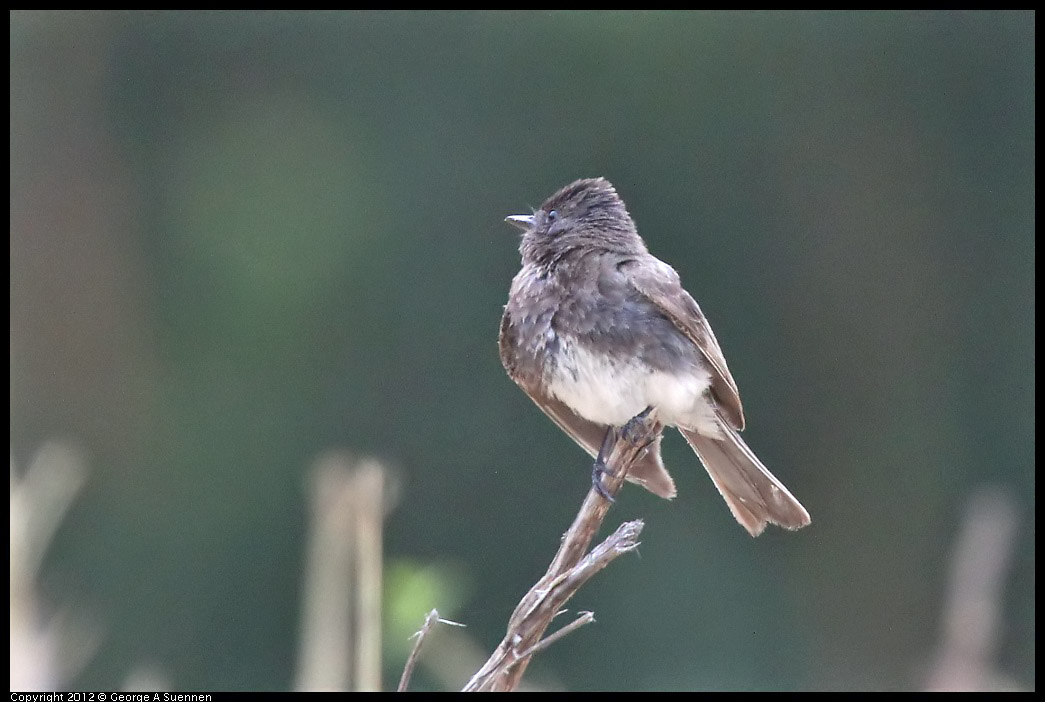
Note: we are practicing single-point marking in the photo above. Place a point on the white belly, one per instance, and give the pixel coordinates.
(608, 392)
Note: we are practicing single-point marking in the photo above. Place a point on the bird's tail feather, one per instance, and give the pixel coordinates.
(754, 495)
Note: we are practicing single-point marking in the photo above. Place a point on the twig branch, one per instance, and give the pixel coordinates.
(585, 618)
(408, 670)
(569, 570)
(411, 661)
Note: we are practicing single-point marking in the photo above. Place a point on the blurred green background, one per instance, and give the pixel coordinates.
(239, 240)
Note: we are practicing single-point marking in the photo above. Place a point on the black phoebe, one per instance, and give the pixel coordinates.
(597, 331)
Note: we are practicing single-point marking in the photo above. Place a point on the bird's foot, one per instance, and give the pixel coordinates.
(634, 429)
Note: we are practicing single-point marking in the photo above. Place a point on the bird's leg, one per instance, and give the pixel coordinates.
(630, 430)
(599, 469)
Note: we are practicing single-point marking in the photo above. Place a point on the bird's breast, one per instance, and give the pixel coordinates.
(611, 389)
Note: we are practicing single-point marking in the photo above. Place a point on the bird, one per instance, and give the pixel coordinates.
(598, 332)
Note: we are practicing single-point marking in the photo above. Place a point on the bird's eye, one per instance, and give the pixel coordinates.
(553, 215)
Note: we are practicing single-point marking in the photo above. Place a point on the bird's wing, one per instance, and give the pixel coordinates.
(659, 283)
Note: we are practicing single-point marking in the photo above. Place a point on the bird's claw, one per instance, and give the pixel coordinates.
(632, 429)
(597, 471)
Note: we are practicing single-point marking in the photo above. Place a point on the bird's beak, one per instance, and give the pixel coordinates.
(524, 222)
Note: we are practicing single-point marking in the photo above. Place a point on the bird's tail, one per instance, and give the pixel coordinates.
(754, 496)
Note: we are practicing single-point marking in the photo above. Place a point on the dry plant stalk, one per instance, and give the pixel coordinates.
(572, 566)
(408, 669)
(974, 604)
(431, 620)
(341, 621)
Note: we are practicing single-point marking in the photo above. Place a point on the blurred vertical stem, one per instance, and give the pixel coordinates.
(972, 614)
(368, 490)
(341, 619)
(39, 501)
